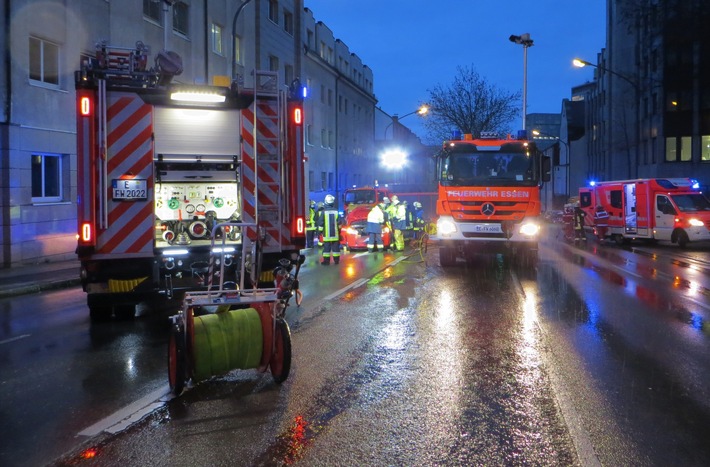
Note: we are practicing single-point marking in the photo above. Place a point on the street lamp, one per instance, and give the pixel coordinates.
(579, 63)
(234, 38)
(525, 41)
(421, 111)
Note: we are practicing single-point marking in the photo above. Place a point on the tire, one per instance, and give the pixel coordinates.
(447, 256)
(100, 313)
(177, 374)
(619, 240)
(682, 239)
(280, 363)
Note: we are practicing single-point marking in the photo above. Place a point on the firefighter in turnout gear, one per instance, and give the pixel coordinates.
(329, 224)
(417, 220)
(400, 225)
(319, 230)
(375, 221)
(311, 224)
(392, 220)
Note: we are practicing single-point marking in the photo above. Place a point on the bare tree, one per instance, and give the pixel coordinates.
(469, 104)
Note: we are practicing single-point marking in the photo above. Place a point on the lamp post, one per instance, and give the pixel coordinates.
(526, 42)
(579, 63)
(234, 38)
(421, 111)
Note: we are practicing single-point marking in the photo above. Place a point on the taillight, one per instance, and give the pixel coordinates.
(86, 233)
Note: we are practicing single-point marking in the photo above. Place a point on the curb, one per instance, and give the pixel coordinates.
(25, 289)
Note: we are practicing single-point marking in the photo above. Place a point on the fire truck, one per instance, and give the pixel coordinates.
(489, 197)
(665, 209)
(162, 165)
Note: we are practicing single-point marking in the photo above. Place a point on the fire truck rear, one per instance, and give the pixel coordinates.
(161, 165)
(489, 197)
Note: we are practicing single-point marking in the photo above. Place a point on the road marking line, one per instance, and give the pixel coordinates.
(13, 339)
(130, 414)
(355, 284)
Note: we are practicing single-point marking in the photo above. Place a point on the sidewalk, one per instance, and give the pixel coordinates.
(36, 278)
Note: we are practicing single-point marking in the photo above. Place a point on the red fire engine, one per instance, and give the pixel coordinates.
(161, 165)
(489, 197)
(666, 209)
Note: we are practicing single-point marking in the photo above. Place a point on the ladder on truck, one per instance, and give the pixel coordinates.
(267, 141)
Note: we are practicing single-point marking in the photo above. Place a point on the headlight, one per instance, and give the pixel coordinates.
(529, 229)
(696, 222)
(445, 226)
(351, 231)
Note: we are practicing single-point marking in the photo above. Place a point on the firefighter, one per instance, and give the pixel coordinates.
(319, 230)
(417, 220)
(400, 225)
(329, 223)
(579, 224)
(391, 220)
(375, 221)
(311, 224)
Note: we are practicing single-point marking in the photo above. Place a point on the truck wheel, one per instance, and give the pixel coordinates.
(100, 313)
(177, 374)
(620, 240)
(447, 256)
(682, 239)
(280, 362)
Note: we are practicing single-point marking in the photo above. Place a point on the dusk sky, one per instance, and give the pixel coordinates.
(413, 45)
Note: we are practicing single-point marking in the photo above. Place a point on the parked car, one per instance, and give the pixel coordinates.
(354, 236)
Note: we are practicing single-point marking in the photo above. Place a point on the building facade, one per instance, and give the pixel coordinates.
(648, 113)
(44, 43)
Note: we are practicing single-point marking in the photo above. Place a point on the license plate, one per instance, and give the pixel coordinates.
(130, 189)
(487, 228)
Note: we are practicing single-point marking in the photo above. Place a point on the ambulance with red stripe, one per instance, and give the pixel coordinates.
(489, 197)
(162, 165)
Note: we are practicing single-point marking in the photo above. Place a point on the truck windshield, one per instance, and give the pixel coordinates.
(488, 168)
(691, 203)
(360, 197)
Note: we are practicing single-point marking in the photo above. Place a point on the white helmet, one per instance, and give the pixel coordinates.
(395, 199)
(329, 199)
(417, 204)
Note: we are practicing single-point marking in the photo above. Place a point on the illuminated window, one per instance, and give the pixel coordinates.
(705, 148)
(181, 18)
(238, 50)
(678, 149)
(44, 61)
(47, 177)
(217, 39)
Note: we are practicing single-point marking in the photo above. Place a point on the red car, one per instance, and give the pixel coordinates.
(354, 236)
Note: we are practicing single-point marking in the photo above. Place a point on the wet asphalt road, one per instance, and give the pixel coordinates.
(600, 357)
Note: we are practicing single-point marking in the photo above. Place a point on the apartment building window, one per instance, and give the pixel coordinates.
(273, 63)
(238, 50)
(46, 177)
(323, 181)
(322, 94)
(705, 148)
(678, 149)
(44, 61)
(153, 10)
(288, 22)
(217, 39)
(311, 181)
(274, 11)
(323, 138)
(331, 140)
(330, 181)
(309, 134)
(181, 18)
(288, 74)
(309, 38)
(330, 97)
